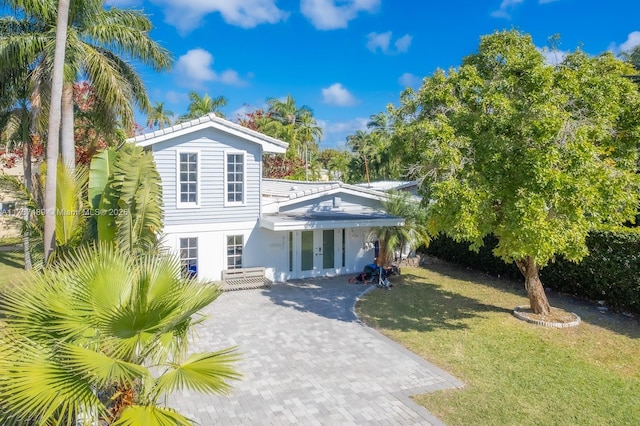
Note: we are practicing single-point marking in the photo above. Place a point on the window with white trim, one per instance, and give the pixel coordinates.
(234, 251)
(189, 256)
(188, 179)
(235, 178)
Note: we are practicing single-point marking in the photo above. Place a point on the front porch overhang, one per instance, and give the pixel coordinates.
(304, 221)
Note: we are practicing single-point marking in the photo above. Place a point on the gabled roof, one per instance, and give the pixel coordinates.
(283, 191)
(268, 143)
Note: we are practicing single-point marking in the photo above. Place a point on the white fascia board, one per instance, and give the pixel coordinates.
(297, 225)
(268, 143)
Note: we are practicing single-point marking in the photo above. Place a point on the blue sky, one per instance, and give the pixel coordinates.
(348, 59)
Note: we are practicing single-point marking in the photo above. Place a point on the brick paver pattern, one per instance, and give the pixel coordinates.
(306, 359)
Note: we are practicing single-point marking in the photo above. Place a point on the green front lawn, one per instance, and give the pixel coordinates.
(515, 373)
(11, 266)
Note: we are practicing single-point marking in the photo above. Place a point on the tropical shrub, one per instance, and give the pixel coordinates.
(101, 336)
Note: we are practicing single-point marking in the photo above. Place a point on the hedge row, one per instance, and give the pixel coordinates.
(611, 272)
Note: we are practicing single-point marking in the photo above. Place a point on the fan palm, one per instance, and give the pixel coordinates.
(101, 337)
(202, 105)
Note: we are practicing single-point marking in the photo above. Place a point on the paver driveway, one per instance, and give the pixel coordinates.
(308, 360)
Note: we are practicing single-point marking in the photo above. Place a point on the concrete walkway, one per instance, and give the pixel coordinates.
(308, 360)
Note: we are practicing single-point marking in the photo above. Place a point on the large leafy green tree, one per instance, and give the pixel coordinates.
(102, 338)
(536, 154)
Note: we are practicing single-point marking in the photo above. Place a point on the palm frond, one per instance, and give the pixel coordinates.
(203, 372)
(149, 415)
(102, 369)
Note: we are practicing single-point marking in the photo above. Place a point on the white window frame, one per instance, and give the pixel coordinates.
(226, 249)
(228, 203)
(179, 203)
(197, 248)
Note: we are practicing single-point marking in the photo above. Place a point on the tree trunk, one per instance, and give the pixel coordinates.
(67, 143)
(54, 128)
(26, 168)
(533, 285)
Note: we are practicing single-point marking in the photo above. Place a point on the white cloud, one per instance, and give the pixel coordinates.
(552, 57)
(380, 41)
(402, 44)
(350, 126)
(174, 97)
(633, 40)
(337, 95)
(505, 8)
(186, 15)
(409, 80)
(195, 68)
(333, 14)
(334, 133)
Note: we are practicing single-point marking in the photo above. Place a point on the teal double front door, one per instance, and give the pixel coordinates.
(316, 252)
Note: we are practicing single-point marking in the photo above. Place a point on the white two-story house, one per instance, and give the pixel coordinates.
(221, 214)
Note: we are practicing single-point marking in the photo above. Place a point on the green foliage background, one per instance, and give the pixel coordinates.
(610, 272)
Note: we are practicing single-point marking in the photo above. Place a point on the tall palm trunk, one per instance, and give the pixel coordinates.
(26, 168)
(67, 144)
(54, 128)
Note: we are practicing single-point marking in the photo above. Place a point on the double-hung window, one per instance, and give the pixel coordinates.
(234, 251)
(189, 256)
(188, 179)
(234, 178)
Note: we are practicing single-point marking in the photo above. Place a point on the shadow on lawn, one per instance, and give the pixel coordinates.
(11, 259)
(588, 311)
(425, 306)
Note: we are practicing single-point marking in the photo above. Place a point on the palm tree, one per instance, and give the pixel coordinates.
(101, 44)
(202, 105)
(100, 338)
(158, 116)
(18, 128)
(286, 118)
(309, 133)
(55, 112)
(359, 143)
(394, 239)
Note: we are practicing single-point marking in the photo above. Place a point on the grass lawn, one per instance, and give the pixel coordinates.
(11, 266)
(515, 373)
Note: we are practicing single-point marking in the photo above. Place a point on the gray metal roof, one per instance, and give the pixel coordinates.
(291, 189)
